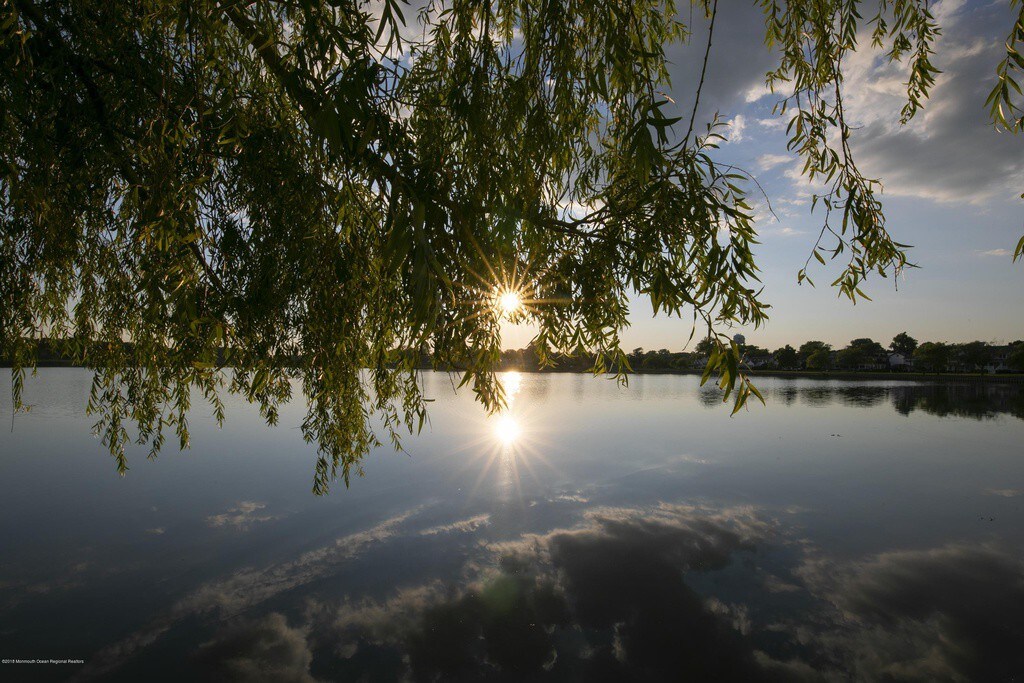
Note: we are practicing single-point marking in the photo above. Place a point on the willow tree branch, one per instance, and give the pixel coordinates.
(108, 134)
(703, 72)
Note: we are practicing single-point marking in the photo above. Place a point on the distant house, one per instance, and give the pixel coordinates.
(900, 363)
(996, 361)
(878, 362)
(759, 361)
(999, 360)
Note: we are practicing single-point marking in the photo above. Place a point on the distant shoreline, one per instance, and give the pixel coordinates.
(946, 377)
(1010, 378)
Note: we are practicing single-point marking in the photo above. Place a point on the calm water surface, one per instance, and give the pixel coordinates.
(847, 531)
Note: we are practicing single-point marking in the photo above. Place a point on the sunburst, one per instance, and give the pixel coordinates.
(508, 302)
(507, 429)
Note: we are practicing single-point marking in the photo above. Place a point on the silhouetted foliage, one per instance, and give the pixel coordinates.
(903, 344)
(973, 355)
(932, 356)
(819, 360)
(1016, 357)
(861, 352)
(787, 357)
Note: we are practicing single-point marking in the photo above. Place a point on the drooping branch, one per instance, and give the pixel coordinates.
(703, 73)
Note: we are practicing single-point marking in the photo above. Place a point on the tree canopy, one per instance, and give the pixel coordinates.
(859, 352)
(933, 356)
(787, 357)
(903, 344)
(255, 196)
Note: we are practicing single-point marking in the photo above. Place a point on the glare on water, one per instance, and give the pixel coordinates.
(506, 429)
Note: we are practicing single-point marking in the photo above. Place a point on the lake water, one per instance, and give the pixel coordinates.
(866, 531)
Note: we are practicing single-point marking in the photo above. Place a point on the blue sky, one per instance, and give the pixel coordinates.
(952, 189)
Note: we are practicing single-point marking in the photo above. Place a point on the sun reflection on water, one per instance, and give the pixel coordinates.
(507, 429)
(511, 382)
(509, 445)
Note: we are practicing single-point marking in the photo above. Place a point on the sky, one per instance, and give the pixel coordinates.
(952, 188)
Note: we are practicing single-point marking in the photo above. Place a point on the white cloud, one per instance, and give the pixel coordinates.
(949, 152)
(775, 123)
(737, 128)
(783, 231)
(762, 214)
(768, 161)
(756, 92)
(804, 185)
(577, 210)
(995, 252)
(944, 12)
(799, 200)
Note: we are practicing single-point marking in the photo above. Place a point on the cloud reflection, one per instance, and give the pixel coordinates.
(607, 600)
(666, 592)
(615, 599)
(244, 590)
(266, 650)
(241, 516)
(948, 613)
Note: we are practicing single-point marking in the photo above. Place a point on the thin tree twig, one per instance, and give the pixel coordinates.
(703, 72)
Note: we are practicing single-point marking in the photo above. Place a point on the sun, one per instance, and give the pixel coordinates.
(508, 303)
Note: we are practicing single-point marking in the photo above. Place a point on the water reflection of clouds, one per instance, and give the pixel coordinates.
(606, 599)
(246, 589)
(248, 586)
(949, 613)
(622, 593)
(1005, 493)
(264, 650)
(460, 526)
(242, 516)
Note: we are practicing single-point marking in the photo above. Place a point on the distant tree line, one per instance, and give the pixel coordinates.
(903, 353)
